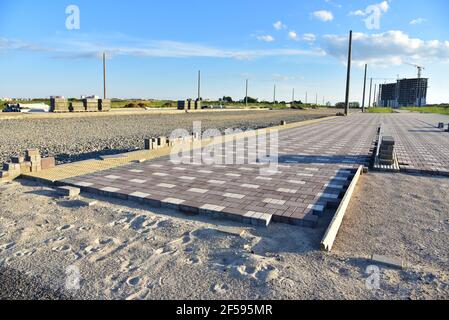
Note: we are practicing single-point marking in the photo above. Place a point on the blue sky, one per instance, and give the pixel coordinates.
(155, 48)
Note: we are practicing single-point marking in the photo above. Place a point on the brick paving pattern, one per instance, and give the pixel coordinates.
(316, 164)
(420, 146)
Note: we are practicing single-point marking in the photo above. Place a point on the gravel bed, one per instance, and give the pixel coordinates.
(75, 139)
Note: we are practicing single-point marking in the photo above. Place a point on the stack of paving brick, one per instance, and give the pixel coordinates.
(90, 105)
(32, 162)
(183, 105)
(77, 106)
(104, 105)
(386, 153)
(59, 105)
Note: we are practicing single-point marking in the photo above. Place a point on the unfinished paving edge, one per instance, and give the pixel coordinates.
(331, 234)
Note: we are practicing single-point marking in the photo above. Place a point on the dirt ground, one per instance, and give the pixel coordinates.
(125, 251)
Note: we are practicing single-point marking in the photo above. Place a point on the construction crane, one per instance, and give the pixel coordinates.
(418, 90)
(420, 68)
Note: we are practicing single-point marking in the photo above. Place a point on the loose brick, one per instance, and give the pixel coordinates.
(68, 191)
(48, 163)
(32, 152)
(17, 159)
(4, 174)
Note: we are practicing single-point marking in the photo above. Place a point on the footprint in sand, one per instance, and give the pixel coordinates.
(137, 223)
(219, 288)
(65, 227)
(133, 281)
(26, 253)
(7, 246)
(125, 219)
(64, 248)
(193, 260)
(128, 266)
(85, 228)
(91, 249)
(249, 266)
(104, 241)
(263, 273)
(174, 246)
(53, 240)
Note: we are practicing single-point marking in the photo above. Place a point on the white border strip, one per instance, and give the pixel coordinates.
(331, 233)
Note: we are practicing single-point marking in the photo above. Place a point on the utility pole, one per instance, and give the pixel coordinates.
(274, 95)
(375, 95)
(293, 96)
(199, 85)
(246, 95)
(316, 99)
(348, 76)
(324, 101)
(104, 75)
(364, 88)
(306, 97)
(370, 91)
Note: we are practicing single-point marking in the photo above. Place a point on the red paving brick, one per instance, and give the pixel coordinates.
(316, 163)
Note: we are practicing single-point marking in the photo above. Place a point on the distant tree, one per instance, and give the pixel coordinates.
(251, 100)
(227, 99)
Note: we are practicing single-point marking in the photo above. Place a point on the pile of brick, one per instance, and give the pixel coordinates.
(90, 105)
(386, 153)
(59, 105)
(31, 162)
(189, 104)
(77, 106)
(104, 105)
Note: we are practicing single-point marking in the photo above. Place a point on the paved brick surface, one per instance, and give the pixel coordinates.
(420, 145)
(316, 163)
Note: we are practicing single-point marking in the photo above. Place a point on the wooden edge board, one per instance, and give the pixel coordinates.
(332, 231)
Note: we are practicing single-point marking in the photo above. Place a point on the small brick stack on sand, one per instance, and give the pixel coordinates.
(31, 162)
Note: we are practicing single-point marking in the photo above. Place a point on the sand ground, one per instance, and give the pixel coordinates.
(126, 251)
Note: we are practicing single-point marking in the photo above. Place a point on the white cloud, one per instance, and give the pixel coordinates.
(310, 37)
(282, 77)
(323, 15)
(265, 38)
(418, 21)
(384, 6)
(278, 25)
(388, 48)
(293, 35)
(358, 13)
(92, 48)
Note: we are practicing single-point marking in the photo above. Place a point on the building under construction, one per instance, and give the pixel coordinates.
(404, 93)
